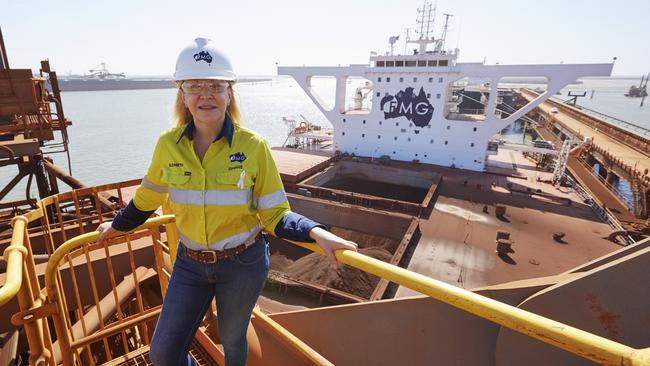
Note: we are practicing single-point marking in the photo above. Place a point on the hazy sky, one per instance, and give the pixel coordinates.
(144, 37)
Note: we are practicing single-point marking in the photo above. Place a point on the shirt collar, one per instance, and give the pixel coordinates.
(227, 131)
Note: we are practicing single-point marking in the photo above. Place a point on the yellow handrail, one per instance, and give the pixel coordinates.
(78, 241)
(574, 340)
(313, 356)
(14, 254)
(579, 342)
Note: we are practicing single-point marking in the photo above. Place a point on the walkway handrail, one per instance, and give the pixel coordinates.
(53, 292)
(80, 240)
(579, 342)
(14, 255)
(568, 338)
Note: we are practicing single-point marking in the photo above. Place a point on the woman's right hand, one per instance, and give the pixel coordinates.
(105, 230)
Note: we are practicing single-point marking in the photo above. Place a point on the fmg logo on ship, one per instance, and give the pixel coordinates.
(405, 103)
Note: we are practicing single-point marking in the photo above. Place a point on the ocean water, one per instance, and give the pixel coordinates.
(114, 132)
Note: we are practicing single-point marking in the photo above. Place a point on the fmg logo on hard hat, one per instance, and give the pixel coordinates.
(203, 56)
(405, 103)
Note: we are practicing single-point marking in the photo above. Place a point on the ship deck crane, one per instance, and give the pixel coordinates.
(360, 95)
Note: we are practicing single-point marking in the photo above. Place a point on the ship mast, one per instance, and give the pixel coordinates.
(425, 19)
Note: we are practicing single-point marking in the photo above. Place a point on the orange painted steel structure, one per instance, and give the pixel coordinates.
(129, 331)
(28, 130)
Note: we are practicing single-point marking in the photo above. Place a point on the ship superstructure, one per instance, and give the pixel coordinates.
(415, 114)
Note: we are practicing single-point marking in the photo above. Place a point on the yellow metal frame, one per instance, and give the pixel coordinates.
(54, 292)
(566, 337)
(21, 281)
(14, 255)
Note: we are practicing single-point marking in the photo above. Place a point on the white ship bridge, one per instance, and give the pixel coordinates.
(415, 106)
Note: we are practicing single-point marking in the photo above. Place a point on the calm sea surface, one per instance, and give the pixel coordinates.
(114, 132)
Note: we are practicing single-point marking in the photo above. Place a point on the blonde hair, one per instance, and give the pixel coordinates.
(182, 116)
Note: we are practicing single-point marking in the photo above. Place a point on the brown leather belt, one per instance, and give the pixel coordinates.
(213, 256)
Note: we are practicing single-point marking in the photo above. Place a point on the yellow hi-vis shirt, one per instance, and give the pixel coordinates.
(222, 201)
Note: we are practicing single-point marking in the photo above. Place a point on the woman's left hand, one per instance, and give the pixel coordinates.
(330, 242)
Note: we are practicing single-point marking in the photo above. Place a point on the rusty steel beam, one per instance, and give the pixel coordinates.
(19, 148)
(57, 172)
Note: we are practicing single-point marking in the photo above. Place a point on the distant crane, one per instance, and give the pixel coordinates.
(102, 73)
(640, 91)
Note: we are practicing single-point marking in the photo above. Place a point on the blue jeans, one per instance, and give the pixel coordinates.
(235, 282)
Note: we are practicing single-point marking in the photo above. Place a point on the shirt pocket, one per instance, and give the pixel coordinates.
(175, 177)
(240, 179)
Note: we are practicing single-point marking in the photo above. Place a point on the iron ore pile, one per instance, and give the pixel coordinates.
(315, 268)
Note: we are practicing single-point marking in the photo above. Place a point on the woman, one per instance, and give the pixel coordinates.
(224, 189)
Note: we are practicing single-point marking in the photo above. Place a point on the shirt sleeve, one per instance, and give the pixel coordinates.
(296, 227)
(148, 197)
(130, 217)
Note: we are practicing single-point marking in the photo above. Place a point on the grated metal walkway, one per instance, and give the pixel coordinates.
(140, 357)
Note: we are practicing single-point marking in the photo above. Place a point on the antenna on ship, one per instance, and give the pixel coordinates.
(408, 38)
(441, 45)
(426, 16)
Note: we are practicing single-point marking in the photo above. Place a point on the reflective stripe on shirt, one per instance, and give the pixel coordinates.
(210, 197)
(152, 186)
(271, 200)
(229, 242)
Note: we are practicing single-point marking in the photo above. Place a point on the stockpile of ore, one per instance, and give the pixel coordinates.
(315, 268)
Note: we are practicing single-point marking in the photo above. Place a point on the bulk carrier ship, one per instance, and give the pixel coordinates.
(470, 253)
(102, 79)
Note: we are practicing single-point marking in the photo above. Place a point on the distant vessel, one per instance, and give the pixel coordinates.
(102, 79)
(641, 90)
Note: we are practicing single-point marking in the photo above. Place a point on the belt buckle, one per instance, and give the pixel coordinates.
(214, 256)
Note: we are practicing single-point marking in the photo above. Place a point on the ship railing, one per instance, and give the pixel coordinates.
(617, 192)
(602, 212)
(631, 127)
(566, 337)
(35, 235)
(133, 326)
(124, 322)
(102, 300)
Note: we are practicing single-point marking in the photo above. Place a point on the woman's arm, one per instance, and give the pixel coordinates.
(148, 197)
(276, 215)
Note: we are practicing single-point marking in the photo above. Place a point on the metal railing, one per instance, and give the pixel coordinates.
(629, 126)
(566, 337)
(603, 213)
(22, 282)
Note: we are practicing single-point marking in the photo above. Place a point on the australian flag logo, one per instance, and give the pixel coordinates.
(237, 157)
(203, 56)
(405, 103)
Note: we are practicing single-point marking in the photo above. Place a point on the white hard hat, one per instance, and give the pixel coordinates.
(202, 60)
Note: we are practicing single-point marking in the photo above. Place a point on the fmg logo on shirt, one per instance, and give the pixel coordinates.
(237, 157)
(405, 103)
